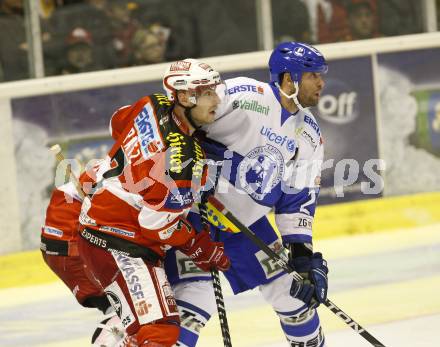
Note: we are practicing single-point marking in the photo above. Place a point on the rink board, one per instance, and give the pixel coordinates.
(362, 217)
(386, 281)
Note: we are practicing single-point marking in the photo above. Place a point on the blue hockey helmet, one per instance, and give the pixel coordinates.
(296, 58)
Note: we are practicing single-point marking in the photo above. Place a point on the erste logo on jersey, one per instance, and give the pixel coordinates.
(246, 88)
(278, 139)
(310, 121)
(261, 170)
(148, 133)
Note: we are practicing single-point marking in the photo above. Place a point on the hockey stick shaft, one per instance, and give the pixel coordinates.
(218, 292)
(56, 149)
(221, 310)
(286, 267)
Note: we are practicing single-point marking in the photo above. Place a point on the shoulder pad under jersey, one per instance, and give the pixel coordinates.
(162, 106)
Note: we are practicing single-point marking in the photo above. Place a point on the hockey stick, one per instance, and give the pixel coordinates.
(56, 149)
(216, 207)
(218, 293)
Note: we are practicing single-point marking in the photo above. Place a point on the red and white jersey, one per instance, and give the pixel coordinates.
(152, 179)
(62, 214)
(59, 233)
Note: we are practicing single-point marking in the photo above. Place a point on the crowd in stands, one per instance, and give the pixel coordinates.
(90, 35)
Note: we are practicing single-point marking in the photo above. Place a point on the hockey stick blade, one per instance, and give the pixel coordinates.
(286, 266)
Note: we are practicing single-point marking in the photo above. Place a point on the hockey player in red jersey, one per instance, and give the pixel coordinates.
(138, 209)
(59, 246)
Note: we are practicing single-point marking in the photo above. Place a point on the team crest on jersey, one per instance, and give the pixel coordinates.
(261, 170)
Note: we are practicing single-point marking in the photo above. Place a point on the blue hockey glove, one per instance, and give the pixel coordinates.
(312, 290)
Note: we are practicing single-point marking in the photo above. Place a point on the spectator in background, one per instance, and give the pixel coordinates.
(317, 10)
(179, 17)
(362, 21)
(52, 48)
(91, 15)
(400, 17)
(13, 42)
(393, 17)
(347, 20)
(79, 55)
(47, 8)
(123, 28)
(437, 4)
(13, 45)
(150, 44)
(238, 30)
(291, 21)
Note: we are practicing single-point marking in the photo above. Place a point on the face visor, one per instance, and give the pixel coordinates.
(208, 90)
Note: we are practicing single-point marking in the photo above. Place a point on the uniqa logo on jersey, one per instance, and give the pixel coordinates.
(261, 170)
(339, 104)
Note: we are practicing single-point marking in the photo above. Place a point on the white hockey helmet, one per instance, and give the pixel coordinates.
(191, 75)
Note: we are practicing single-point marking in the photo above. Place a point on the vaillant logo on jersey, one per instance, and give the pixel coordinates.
(252, 105)
(278, 139)
(246, 88)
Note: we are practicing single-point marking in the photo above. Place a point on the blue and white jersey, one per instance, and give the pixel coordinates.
(272, 159)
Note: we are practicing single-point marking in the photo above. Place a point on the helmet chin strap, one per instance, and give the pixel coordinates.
(293, 96)
(188, 115)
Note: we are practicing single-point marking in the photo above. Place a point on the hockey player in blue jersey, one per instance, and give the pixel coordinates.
(272, 149)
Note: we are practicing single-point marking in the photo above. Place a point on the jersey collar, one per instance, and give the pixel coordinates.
(180, 124)
(284, 113)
